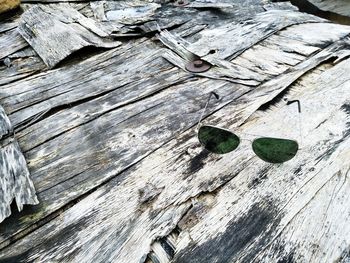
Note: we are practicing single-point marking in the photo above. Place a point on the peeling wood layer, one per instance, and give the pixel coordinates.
(15, 181)
(249, 33)
(340, 7)
(11, 42)
(60, 32)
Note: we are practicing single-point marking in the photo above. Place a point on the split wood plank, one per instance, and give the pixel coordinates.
(11, 41)
(180, 185)
(20, 65)
(244, 35)
(340, 7)
(139, 193)
(14, 179)
(258, 70)
(56, 33)
(304, 226)
(33, 136)
(244, 113)
(130, 13)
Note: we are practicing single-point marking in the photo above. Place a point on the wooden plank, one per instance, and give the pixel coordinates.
(255, 70)
(14, 180)
(56, 33)
(29, 93)
(341, 6)
(111, 145)
(208, 197)
(302, 227)
(24, 95)
(319, 39)
(49, 188)
(11, 41)
(211, 51)
(222, 70)
(9, 23)
(129, 12)
(240, 37)
(5, 124)
(52, 186)
(19, 65)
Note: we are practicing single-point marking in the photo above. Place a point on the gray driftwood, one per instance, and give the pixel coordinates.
(14, 177)
(341, 6)
(111, 144)
(56, 32)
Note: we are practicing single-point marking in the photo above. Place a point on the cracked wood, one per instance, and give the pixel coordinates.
(112, 148)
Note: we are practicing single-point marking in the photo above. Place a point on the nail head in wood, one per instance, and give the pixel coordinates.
(198, 66)
(181, 2)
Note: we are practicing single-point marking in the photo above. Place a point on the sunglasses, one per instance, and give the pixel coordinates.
(220, 141)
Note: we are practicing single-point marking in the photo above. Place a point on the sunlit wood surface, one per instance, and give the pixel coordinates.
(105, 114)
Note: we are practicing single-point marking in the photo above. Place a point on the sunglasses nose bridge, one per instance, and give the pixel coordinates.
(245, 139)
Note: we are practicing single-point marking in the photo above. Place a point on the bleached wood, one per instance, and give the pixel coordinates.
(11, 41)
(56, 33)
(244, 35)
(19, 65)
(15, 183)
(119, 172)
(15, 180)
(340, 6)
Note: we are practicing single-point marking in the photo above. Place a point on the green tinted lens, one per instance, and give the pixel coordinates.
(275, 150)
(217, 140)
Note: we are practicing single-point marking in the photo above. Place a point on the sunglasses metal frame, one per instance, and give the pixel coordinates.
(199, 125)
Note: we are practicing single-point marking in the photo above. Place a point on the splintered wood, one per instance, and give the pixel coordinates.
(15, 183)
(55, 33)
(110, 141)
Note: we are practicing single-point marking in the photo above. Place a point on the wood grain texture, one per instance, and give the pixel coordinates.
(11, 41)
(251, 188)
(19, 65)
(111, 144)
(244, 35)
(14, 177)
(130, 12)
(15, 181)
(9, 22)
(341, 6)
(5, 124)
(56, 33)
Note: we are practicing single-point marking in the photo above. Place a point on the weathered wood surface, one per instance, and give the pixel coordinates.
(340, 6)
(14, 180)
(337, 12)
(55, 33)
(11, 42)
(111, 145)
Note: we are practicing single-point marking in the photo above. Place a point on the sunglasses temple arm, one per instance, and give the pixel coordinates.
(206, 106)
(299, 117)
